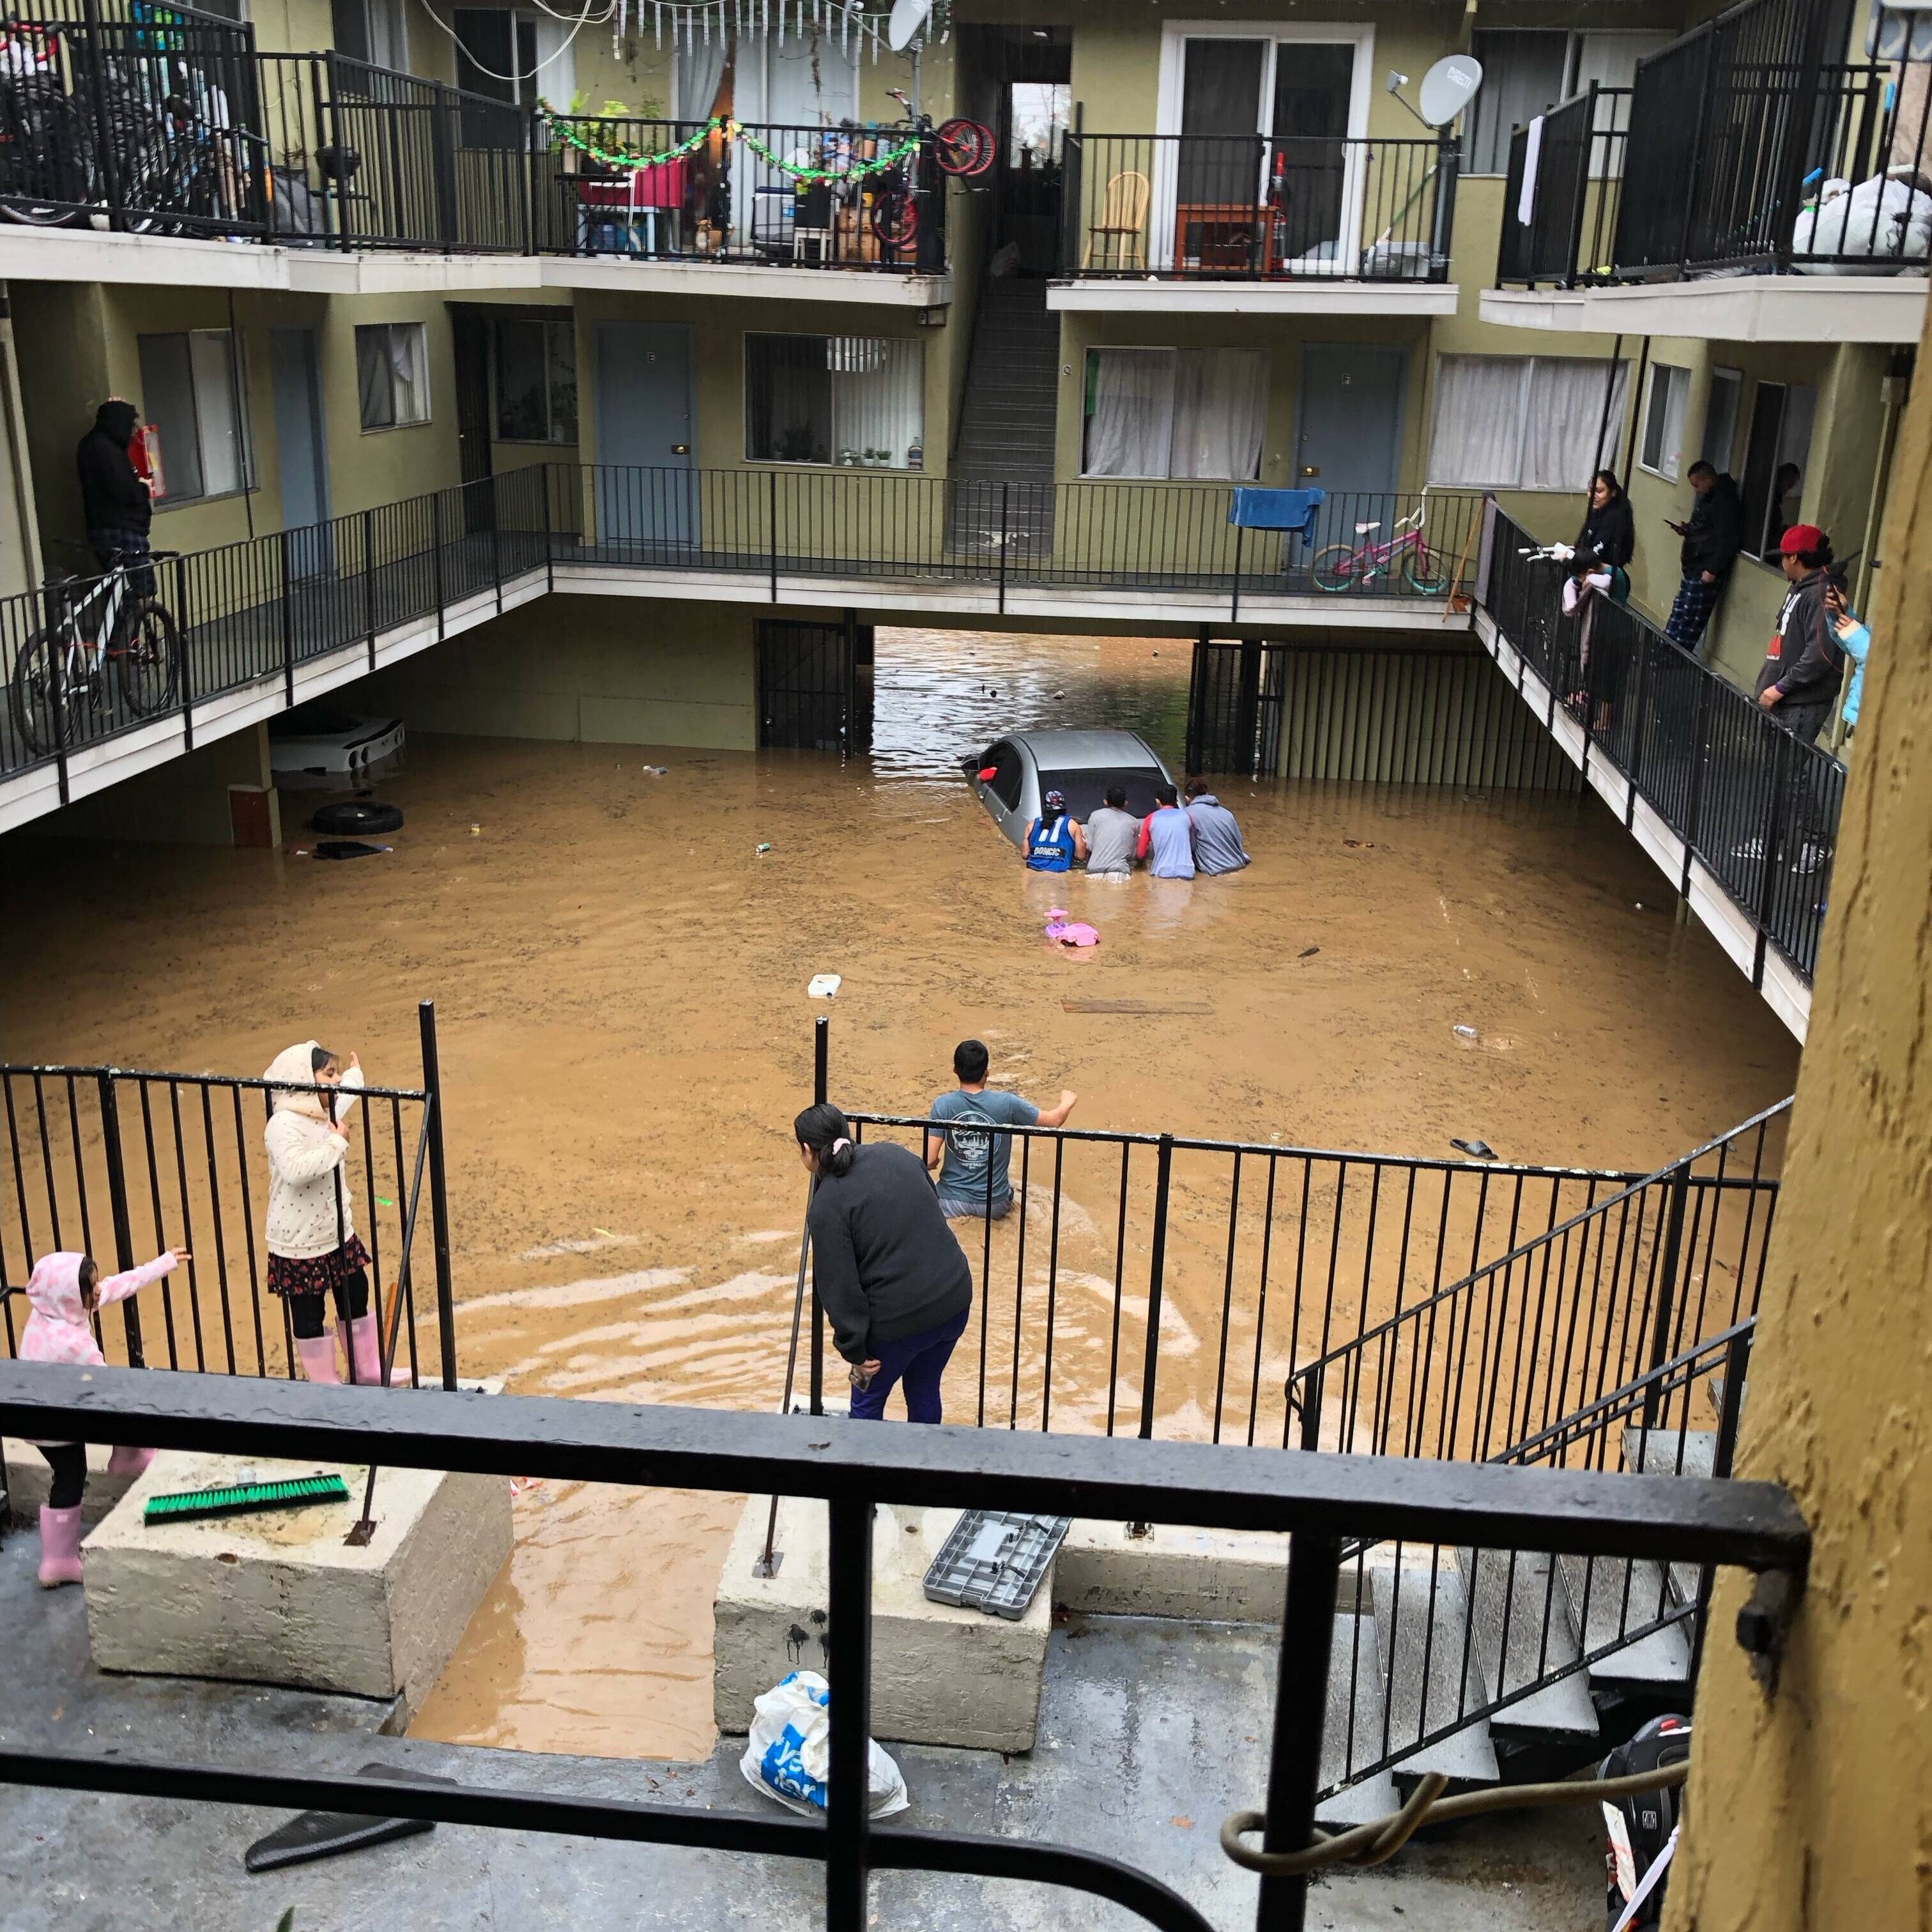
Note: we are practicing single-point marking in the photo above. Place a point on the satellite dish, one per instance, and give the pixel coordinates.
(1447, 87)
(909, 15)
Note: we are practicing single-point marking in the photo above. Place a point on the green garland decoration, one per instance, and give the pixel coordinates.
(798, 170)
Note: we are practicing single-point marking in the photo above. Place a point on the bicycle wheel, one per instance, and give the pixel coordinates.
(963, 147)
(895, 219)
(150, 662)
(46, 161)
(44, 725)
(1428, 571)
(1337, 568)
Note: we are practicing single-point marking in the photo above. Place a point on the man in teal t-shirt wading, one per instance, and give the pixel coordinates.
(976, 1176)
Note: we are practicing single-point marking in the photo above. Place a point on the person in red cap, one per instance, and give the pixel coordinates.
(1804, 665)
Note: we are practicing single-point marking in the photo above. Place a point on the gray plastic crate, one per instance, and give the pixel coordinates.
(994, 1559)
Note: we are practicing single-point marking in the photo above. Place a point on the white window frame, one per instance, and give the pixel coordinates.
(422, 367)
(909, 346)
(564, 323)
(238, 376)
(1669, 382)
(1173, 36)
(1722, 461)
(1601, 150)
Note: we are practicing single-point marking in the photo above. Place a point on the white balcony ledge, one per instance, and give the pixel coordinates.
(94, 255)
(1727, 308)
(1189, 295)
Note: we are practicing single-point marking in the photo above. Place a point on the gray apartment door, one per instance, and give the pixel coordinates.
(646, 488)
(301, 449)
(1349, 442)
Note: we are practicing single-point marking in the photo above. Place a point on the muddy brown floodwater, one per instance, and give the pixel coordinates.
(619, 973)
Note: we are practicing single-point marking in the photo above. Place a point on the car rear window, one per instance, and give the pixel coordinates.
(1087, 791)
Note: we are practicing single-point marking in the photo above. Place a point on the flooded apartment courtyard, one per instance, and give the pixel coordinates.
(619, 958)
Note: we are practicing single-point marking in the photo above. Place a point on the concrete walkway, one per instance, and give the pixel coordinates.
(1150, 1732)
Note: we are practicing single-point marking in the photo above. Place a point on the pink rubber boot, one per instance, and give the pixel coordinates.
(368, 1354)
(317, 1354)
(60, 1545)
(126, 1462)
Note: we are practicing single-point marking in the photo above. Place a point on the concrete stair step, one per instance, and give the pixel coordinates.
(1352, 1728)
(1673, 1452)
(1521, 1615)
(1609, 1595)
(1430, 1671)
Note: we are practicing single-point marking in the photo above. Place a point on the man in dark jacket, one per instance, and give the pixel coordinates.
(1712, 539)
(1797, 684)
(113, 495)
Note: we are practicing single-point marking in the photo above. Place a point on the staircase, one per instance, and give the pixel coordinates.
(1585, 1649)
(1006, 421)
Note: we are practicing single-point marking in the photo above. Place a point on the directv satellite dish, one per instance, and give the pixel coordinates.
(909, 15)
(1447, 87)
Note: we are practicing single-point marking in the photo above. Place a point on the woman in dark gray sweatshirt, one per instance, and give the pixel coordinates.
(894, 1283)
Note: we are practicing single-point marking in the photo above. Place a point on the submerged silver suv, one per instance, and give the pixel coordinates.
(1013, 774)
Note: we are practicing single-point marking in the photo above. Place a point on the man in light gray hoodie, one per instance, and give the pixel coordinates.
(1217, 837)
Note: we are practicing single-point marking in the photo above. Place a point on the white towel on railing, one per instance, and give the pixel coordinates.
(1532, 155)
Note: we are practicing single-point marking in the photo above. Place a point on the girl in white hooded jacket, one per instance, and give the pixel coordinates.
(314, 1252)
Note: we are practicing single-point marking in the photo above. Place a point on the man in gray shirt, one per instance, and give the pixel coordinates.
(1110, 834)
(976, 1176)
(1217, 838)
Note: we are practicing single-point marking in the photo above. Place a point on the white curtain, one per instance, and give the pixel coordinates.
(1220, 409)
(1565, 417)
(812, 81)
(698, 70)
(1476, 440)
(406, 372)
(1131, 429)
(878, 395)
(1512, 422)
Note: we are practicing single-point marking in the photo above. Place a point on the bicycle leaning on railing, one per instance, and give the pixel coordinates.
(103, 638)
(1345, 566)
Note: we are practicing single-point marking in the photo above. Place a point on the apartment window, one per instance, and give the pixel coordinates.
(391, 375)
(1661, 451)
(536, 380)
(845, 399)
(1526, 73)
(1524, 422)
(371, 31)
(515, 55)
(1776, 454)
(1721, 417)
(192, 390)
(1179, 412)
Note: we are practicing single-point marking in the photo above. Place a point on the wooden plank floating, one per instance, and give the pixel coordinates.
(1133, 1006)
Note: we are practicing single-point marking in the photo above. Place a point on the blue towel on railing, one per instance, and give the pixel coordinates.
(1255, 509)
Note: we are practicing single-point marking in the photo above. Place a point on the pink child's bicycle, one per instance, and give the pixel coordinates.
(1341, 566)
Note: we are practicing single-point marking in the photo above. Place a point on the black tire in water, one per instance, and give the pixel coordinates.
(356, 819)
(151, 662)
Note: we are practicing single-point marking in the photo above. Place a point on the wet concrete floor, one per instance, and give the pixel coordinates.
(620, 973)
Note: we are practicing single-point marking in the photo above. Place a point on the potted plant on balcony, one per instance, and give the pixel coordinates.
(877, 459)
(848, 459)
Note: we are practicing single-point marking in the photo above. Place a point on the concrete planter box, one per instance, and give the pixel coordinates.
(279, 1597)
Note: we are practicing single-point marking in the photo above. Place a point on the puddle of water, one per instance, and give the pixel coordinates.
(620, 979)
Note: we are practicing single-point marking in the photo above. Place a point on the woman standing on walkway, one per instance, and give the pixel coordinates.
(894, 1285)
(314, 1252)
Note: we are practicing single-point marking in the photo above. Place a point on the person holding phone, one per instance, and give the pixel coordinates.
(1713, 537)
(1854, 639)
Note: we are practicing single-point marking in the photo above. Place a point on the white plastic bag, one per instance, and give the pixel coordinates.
(788, 1755)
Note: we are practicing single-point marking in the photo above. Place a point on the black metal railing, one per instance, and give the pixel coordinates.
(741, 192)
(122, 1164)
(1170, 1284)
(1314, 1500)
(267, 607)
(1574, 198)
(1759, 809)
(1257, 207)
(1500, 1358)
(1752, 148)
(1502, 1651)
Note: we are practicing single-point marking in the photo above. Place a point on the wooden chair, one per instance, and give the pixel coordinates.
(1121, 231)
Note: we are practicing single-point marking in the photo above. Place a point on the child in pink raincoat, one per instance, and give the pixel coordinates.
(65, 1289)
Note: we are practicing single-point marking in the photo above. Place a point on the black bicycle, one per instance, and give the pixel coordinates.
(108, 655)
(49, 175)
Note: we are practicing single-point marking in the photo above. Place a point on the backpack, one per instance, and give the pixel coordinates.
(1641, 1826)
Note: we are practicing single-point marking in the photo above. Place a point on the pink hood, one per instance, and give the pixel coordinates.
(54, 1288)
(59, 1329)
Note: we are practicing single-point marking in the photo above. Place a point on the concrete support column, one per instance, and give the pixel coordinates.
(1810, 1806)
(221, 793)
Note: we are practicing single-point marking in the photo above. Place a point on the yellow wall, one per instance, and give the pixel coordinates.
(1812, 1811)
(617, 670)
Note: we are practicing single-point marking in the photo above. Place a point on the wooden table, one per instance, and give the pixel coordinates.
(1212, 236)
